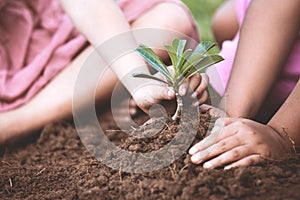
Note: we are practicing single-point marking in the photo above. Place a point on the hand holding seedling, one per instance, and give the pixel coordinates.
(186, 65)
(155, 92)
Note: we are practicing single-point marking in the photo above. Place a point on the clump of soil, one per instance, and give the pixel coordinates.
(58, 166)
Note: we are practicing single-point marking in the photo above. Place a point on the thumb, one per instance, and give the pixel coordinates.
(165, 93)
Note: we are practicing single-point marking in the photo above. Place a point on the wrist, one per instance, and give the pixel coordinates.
(287, 142)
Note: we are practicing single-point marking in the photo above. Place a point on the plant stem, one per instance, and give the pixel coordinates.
(178, 111)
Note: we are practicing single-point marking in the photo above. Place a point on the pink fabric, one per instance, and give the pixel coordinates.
(37, 40)
(220, 73)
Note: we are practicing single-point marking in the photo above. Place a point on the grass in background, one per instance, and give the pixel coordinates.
(202, 11)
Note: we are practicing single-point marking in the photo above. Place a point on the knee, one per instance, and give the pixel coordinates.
(166, 16)
(224, 22)
(176, 18)
(217, 23)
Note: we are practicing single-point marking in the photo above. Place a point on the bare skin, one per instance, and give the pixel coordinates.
(223, 18)
(239, 140)
(54, 101)
(242, 142)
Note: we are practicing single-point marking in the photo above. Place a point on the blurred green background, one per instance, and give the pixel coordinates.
(202, 11)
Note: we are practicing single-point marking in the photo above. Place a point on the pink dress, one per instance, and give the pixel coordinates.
(220, 73)
(37, 40)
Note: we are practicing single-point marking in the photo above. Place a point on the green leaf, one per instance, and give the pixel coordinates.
(152, 58)
(203, 64)
(204, 47)
(179, 46)
(172, 54)
(142, 75)
(193, 60)
(185, 57)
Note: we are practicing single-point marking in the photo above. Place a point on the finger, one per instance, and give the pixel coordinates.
(220, 147)
(206, 142)
(152, 95)
(205, 78)
(249, 160)
(201, 99)
(195, 81)
(201, 87)
(170, 94)
(164, 93)
(218, 133)
(213, 111)
(199, 156)
(225, 121)
(205, 107)
(230, 156)
(132, 107)
(183, 87)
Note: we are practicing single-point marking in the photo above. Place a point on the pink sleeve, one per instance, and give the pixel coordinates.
(241, 9)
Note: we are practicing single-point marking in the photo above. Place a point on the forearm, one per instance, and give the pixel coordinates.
(97, 20)
(286, 120)
(105, 27)
(266, 39)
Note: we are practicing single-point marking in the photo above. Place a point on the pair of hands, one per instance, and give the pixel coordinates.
(233, 142)
(152, 94)
(240, 142)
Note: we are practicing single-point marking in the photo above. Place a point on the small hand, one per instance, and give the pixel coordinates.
(239, 142)
(156, 92)
(151, 94)
(196, 86)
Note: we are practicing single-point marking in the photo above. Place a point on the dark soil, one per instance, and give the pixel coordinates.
(58, 166)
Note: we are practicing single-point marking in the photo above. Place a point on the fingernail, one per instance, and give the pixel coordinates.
(194, 95)
(192, 150)
(227, 167)
(196, 159)
(170, 93)
(216, 129)
(182, 91)
(207, 165)
(132, 111)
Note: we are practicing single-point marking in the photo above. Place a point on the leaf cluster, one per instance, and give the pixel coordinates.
(185, 63)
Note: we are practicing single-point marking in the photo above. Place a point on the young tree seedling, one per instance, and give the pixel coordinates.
(186, 63)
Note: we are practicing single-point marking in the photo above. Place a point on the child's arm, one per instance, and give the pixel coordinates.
(236, 141)
(270, 29)
(102, 21)
(286, 120)
(267, 37)
(104, 25)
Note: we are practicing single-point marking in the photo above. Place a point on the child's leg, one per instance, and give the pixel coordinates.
(52, 103)
(167, 16)
(225, 23)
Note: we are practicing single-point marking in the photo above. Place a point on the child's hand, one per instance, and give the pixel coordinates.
(240, 142)
(196, 86)
(152, 94)
(156, 92)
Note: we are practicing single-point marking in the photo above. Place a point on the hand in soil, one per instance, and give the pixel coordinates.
(240, 142)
